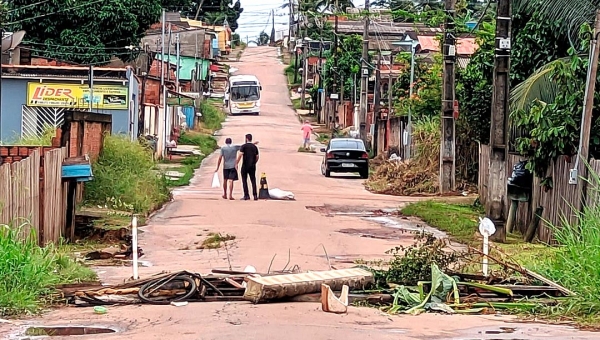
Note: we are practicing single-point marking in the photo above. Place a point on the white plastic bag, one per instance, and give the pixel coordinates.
(279, 194)
(215, 182)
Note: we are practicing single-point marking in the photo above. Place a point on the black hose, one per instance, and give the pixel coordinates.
(152, 285)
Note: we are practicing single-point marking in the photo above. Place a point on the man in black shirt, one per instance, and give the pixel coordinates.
(249, 156)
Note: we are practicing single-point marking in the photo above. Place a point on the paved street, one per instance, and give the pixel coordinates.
(268, 231)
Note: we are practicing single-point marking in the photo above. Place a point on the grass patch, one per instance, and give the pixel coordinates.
(124, 178)
(216, 240)
(289, 73)
(461, 223)
(296, 103)
(212, 115)
(306, 150)
(29, 272)
(323, 138)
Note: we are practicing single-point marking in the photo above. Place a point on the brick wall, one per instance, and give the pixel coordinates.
(155, 69)
(10, 154)
(92, 139)
(49, 62)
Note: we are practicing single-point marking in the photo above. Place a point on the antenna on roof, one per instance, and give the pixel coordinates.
(12, 40)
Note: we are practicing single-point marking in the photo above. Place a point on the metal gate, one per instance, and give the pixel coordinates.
(35, 121)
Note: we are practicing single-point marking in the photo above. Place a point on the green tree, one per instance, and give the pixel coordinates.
(349, 59)
(263, 39)
(83, 30)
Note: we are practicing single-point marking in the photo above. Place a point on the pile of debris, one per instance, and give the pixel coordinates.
(444, 293)
(404, 178)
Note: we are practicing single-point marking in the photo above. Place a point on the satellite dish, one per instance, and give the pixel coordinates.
(12, 40)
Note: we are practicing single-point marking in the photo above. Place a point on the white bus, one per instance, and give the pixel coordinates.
(244, 94)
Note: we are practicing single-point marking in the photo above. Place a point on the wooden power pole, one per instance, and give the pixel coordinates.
(448, 140)
(499, 122)
(364, 80)
(580, 169)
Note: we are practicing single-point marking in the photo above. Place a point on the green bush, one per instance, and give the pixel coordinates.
(124, 178)
(29, 272)
(211, 116)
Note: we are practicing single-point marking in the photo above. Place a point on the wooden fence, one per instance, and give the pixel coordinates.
(32, 193)
(561, 202)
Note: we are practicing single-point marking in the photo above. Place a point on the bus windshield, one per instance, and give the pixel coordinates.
(244, 93)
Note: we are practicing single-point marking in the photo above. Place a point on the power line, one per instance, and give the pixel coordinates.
(75, 46)
(27, 6)
(73, 53)
(59, 11)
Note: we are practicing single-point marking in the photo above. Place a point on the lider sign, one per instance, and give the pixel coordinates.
(75, 96)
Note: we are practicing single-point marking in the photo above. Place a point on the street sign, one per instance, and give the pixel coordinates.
(455, 109)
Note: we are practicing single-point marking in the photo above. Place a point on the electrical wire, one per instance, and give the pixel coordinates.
(27, 6)
(74, 53)
(75, 46)
(52, 13)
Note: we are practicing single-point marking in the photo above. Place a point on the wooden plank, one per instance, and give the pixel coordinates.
(484, 165)
(5, 194)
(34, 167)
(261, 289)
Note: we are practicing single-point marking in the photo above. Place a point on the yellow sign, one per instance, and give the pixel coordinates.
(245, 105)
(75, 96)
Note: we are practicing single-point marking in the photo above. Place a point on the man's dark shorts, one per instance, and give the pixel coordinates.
(230, 174)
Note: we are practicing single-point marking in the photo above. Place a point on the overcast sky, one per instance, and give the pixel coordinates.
(255, 17)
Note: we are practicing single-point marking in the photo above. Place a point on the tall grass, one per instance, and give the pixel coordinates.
(45, 139)
(28, 271)
(124, 178)
(576, 264)
(212, 116)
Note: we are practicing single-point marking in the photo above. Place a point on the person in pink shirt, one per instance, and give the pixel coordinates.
(306, 132)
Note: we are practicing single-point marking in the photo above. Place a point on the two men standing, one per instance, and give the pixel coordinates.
(249, 155)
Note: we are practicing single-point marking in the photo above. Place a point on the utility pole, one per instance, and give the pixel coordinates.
(580, 169)
(319, 103)
(376, 105)
(162, 83)
(335, 57)
(364, 88)
(290, 21)
(296, 57)
(304, 75)
(272, 42)
(499, 122)
(177, 46)
(448, 140)
(390, 84)
(169, 53)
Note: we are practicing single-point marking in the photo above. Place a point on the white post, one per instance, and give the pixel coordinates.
(134, 247)
(486, 247)
(486, 229)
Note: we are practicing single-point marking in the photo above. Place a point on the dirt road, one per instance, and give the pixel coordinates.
(265, 229)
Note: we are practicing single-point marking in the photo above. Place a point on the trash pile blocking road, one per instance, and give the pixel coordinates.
(455, 293)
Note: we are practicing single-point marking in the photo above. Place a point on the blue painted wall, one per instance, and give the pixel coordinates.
(14, 96)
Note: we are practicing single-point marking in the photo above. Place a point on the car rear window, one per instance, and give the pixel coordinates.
(347, 144)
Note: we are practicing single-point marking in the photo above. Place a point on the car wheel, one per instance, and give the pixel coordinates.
(322, 169)
(327, 172)
(364, 174)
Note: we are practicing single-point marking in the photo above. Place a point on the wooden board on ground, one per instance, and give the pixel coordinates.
(263, 289)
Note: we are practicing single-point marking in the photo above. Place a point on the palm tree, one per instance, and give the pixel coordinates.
(571, 14)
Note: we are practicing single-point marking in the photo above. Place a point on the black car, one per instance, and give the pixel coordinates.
(347, 155)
